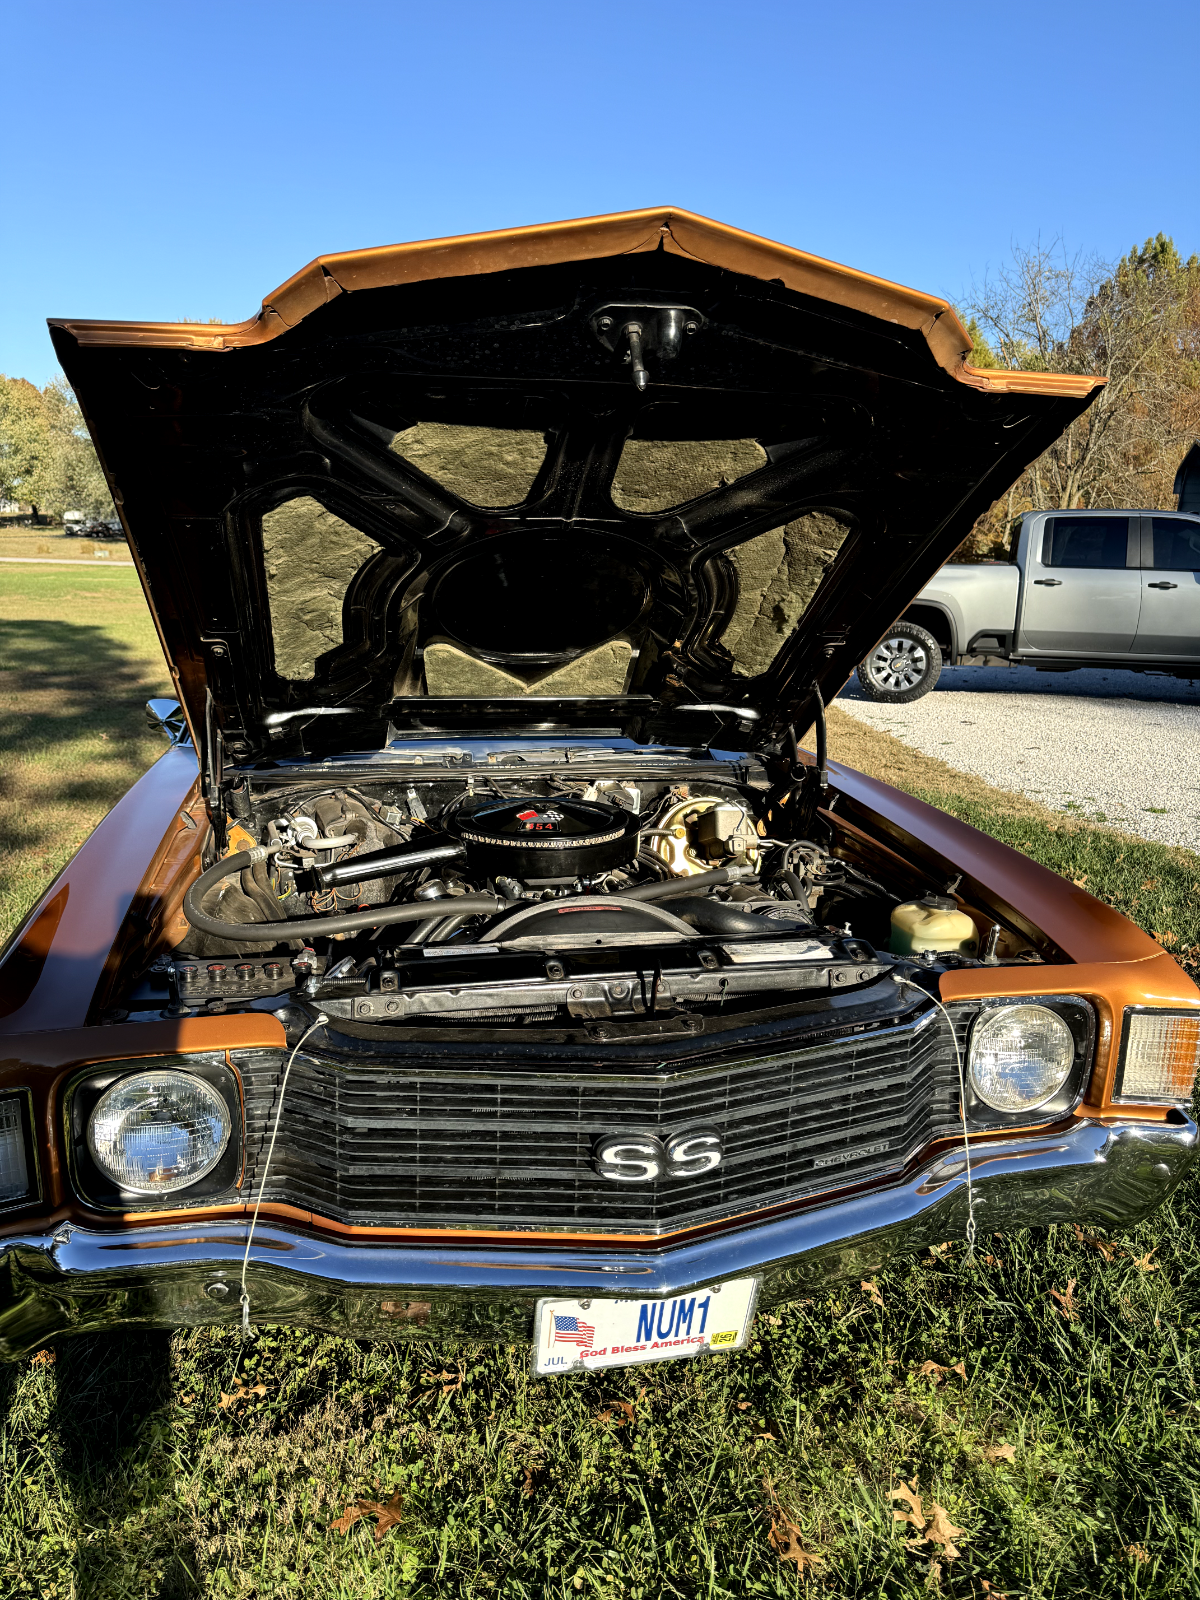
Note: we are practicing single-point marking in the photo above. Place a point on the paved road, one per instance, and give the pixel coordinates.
(1112, 746)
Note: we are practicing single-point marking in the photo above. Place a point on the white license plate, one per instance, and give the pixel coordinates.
(582, 1335)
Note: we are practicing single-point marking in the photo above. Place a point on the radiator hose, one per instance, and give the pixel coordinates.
(303, 927)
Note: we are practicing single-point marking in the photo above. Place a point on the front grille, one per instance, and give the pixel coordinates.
(390, 1144)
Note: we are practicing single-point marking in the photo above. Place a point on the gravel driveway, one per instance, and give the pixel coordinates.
(1111, 746)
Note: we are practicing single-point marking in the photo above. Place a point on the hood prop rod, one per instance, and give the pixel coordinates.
(213, 771)
(822, 745)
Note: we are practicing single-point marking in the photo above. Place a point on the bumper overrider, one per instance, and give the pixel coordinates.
(74, 1279)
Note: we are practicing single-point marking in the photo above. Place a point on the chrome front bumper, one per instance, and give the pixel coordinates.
(75, 1280)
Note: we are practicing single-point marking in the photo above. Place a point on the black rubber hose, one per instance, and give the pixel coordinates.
(795, 884)
(304, 927)
(696, 884)
(718, 916)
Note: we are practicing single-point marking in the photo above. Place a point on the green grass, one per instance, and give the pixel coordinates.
(79, 657)
(122, 1476)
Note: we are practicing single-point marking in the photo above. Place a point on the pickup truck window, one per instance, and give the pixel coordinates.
(1085, 542)
(1176, 544)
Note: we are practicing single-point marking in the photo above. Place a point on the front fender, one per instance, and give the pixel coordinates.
(55, 968)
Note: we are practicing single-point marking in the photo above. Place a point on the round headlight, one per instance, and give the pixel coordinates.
(1020, 1057)
(155, 1132)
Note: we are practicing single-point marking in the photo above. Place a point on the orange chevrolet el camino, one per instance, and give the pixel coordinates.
(484, 958)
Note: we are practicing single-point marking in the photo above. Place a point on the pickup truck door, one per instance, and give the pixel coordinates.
(1082, 585)
(1169, 623)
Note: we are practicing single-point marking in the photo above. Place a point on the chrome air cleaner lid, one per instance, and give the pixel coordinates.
(545, 836)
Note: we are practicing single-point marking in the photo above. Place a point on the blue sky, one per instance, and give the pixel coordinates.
(181, 160)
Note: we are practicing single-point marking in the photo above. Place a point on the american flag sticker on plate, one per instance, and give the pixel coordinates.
(582, 1335)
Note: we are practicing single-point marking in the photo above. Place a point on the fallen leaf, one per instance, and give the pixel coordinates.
(871, 1289)
(998, 1452)
(450, 1381)
(991, 1589)
(530, 1485)
(1138, 1553)
(1079, 882)
(1144, 1264)
(942, 1531)
(993, 1261)
(186, 1399)
(743, 1405)
(618, 1411)
(1066, 1302)
(934, 1370)
(44, 1358)
(387, 1516)
(1166, 936)
(941, 1249)
(915, 1514)
(1150, 883)
(1108, 1251)
(242, 1392)
(786, 1540)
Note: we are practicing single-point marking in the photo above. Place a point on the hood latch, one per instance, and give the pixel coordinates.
(635, 331)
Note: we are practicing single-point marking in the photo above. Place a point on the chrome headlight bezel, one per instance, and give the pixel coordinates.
(96, 1188)
(1080, 1019)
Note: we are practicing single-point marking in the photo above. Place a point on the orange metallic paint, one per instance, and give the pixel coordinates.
(668, 228)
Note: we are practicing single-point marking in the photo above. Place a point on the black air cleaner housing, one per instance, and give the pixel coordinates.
(544, 837)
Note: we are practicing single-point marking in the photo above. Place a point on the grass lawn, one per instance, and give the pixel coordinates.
(1059, 1430)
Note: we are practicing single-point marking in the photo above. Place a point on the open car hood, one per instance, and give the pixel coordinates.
(571, 478)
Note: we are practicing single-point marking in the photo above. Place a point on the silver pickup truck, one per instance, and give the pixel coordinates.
(1083, 589)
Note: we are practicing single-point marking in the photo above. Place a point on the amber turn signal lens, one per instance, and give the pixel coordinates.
(1162, 1053)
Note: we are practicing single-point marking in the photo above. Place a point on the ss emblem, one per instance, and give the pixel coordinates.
(643, 1158)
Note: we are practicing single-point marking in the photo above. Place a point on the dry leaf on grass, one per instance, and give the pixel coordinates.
(1166, 936)
(915, 1513)
(1066, 1306)
(1138, 1553)
(998, 1452)
(44, 1358)
(743, 1405)
(871, 1289)
(936, 1528)
(1144, 1264)
(532, 1473)
(1108, 1251)
(990, 1589)
(450, 1381)
(786, 1540)
(227, 1402)
(387, 1516)
(618, 1411)
(941, 1249)
(1079, 882)
(939, 1374)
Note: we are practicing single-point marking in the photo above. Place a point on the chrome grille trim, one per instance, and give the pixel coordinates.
(390, 1143)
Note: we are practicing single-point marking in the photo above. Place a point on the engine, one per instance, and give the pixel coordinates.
(454, 903)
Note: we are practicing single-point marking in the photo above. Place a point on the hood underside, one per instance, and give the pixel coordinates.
(572, 478)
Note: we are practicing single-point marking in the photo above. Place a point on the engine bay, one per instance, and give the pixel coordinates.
(439, 899)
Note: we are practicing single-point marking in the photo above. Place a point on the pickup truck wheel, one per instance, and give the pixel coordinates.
(902, 667)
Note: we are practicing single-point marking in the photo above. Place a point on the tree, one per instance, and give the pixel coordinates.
(46, 455)
(1136, 323)
(23, 438)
